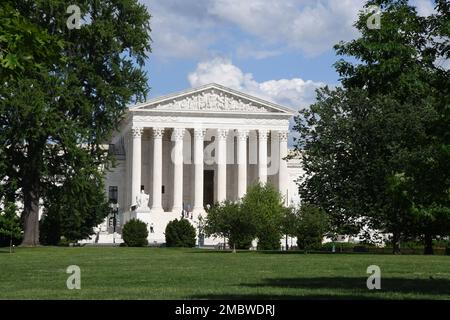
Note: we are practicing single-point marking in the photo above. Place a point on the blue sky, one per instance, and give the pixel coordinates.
(279, 50)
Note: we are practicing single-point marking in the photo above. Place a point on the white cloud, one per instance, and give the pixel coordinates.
(253, 28)
(317, 28)
(247, 50)
(196, 28)
(256, 16)
(180, 29)
(220, 71)
(424, 7)
(295, 93)
(311, 27)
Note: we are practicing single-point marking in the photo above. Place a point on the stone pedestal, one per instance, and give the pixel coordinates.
(141, 214)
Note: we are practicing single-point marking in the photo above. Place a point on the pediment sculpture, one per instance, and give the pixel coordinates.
(211, 101)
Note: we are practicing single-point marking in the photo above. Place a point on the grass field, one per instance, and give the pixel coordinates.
(161, 273)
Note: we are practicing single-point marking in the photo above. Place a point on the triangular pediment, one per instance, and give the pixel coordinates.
(212, 98)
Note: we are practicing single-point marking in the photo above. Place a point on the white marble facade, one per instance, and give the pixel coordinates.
(190, 149)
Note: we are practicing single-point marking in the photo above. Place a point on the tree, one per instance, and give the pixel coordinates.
(265, 204)
(10, 226)
(289, 224)
(60, 106)
(403, 60)
(351, 145)
(227, 220)
(359, 140)
(135, 233)
(312, 226)
(50, 233)
(23, 44)
(431, 204)
(180, 233)
(74, 208)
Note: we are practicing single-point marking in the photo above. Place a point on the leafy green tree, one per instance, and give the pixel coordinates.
(227, 220)
(74, 208)
(63, 96)
(10, 226)
(180, 233)
(135, 233)
(403, 60)
(265, 204)
(312, 226)
(289, 223)
(24, 46)
(431, 202)
(351, 148)
(372, 149)
(50, 229)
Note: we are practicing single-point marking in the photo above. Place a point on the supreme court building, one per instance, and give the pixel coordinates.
(186, 151)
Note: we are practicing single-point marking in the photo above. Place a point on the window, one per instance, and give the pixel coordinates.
(113, 194)
(163, 189)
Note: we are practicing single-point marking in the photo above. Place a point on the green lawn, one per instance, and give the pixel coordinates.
(151, 273)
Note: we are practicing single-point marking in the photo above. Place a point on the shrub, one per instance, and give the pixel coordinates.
(64, 242)
(265, 205)
(269, 240)
(359, 248)
(411, 245)
(50, 230)
(180, 233)
(312, 226)
(441, 243)
(338, 247)
(134, 233)
(10, 226)
(289, 222)
(227, 220)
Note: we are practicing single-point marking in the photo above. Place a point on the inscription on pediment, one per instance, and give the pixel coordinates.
(211, 100)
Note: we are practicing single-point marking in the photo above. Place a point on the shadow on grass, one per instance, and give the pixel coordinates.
(220, 251)
(282, 297)
(335, 284)
(299, 252)
(240, 251)
(400, 285)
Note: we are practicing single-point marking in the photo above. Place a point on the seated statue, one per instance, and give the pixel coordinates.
(142, 201)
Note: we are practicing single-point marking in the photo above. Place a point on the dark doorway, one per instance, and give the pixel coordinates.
(208, 187)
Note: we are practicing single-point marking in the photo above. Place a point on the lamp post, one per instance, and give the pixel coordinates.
(115, 212)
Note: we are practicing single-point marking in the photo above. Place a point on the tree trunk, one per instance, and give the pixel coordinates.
(428, 244)
(31, 216)
(287, 245)
(396, 243)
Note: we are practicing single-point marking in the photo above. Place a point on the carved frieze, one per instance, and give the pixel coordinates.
(211, 100)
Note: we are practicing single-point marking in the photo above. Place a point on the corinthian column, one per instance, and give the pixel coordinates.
(157, 170)
(178, 135)
(222, 135)
(136, 164)
(199, 135)
(283, 176)
(242, 162)
(262, 155)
